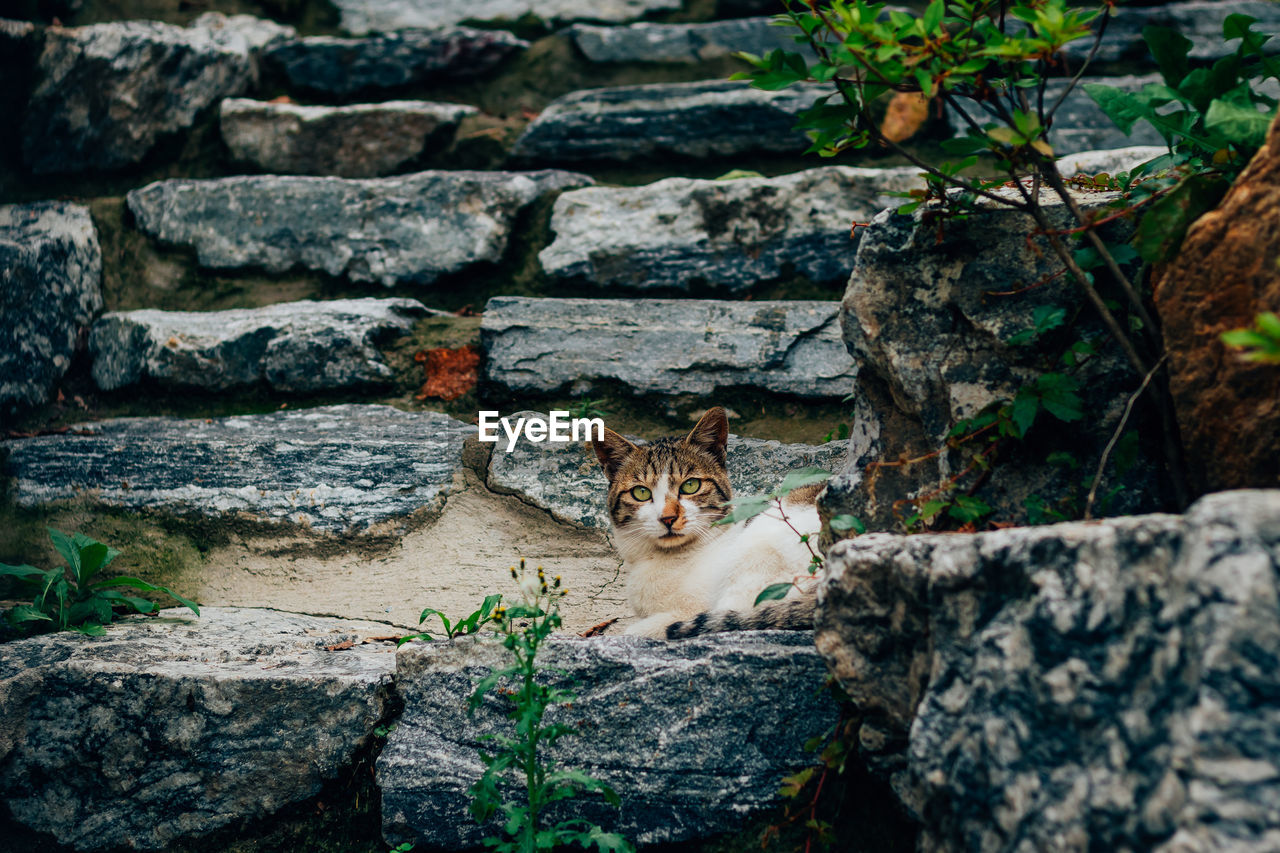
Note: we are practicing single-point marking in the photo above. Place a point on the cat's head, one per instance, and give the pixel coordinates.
(665, 495)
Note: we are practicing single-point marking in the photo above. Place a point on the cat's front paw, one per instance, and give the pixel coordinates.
(654, 626)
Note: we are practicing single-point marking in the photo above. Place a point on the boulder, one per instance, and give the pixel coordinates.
(932, 317)
(337, 469)
(693, 735)
(1108, 160)
(50, 288)
(108, 93)
(684, 43)
(409, 229)
(295, 347)
(666, 347)
(360, 17)
(719, 118)
(1082, 686)
(174, 727)
(342, 67)
(355, 141)
(727, 235)
(565, 479)
(1223, 276)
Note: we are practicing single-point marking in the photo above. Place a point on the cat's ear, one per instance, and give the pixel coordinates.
(612, 451)
(711, 434)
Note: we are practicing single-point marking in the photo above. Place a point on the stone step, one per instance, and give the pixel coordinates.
(1200, 21)
(719, 118)
(666, 347)
(566, 479)
(726, 235)
(50, 288)
(693, 736)
(156, 78)
(684, 43)
(353, 141)
(341, 67)
(360, 17)
(294, 347)
(1081, 125)
(408, 229)
(337, 469)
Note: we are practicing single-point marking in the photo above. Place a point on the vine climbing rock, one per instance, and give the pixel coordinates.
(1224, 275)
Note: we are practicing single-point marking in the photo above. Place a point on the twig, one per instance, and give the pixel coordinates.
(1115, 437)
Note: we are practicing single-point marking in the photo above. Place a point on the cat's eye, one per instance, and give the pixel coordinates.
(641, 493)
(690, 486)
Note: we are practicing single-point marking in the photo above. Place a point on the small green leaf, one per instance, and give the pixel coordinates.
(841, 523)
(773, 592)
(747, 507)
(801, 478)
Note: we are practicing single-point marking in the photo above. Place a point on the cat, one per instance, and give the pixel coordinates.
(686, 575)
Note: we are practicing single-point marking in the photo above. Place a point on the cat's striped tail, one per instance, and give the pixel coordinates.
(791, 614)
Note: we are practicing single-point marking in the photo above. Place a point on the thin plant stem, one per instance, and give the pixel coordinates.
(1115, 436)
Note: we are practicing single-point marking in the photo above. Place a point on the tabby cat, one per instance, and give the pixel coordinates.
(685, 574)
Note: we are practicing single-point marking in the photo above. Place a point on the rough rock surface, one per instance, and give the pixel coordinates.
(335, 468)
(363, 16)
(1084, 686)
(1081, 125)
(565, 478)
(409, 229)
(928, 316)
(1109, 160)
(177, 726)
(690, 43)
(693, 735)
(50, 288)
(703, 119)
(722, 235)
(1198, 20)
(666, 346)
(345, 66)
(108, 93)
(354, 141)
(290, 346)
(1223, 276)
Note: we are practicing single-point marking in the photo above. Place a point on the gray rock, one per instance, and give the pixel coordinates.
(337, 468)
(685, 43)
(1104, 686)
(108, 93)
(930, 315)
(409, 229)
(364, 16)
(1081, 125)
(666, 346)
(703, 119)
(354, 141)
(291, 346)
(345, 66)
(565, 478)
(694, 735)
(50, 288)
(1111, 160)
(178, 726)
(1198, 20)
(726, 235)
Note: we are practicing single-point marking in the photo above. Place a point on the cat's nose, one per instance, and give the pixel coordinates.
(668, 520)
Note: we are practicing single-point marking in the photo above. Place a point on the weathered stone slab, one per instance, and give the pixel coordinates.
(291, 346)
(932, 317)
(345, 66)
(1105, 685)
(1081, 125)
(335, 468)
(666, 346)
(1198, 20)
(684, 43)
(353, 141)
(694, 735)
(1109, 160)
(566, 480)
(703, 119)
(108, 93)
(409, 229)
(724, 235)
(363, 16)
(50, 288)
(178, 726)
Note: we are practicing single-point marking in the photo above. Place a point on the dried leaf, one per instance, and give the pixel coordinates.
(337, 647)
(596, 630)
(906, 114)
(450, 373)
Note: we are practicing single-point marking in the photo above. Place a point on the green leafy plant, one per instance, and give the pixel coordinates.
(1261, 343)
(525, 628)
(588, 409)
(74, 597)
(468, 624)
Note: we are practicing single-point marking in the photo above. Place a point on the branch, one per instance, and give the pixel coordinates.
(1115, 437)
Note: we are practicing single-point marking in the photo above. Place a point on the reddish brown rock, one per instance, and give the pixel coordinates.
(1226, 273)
